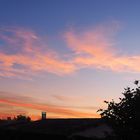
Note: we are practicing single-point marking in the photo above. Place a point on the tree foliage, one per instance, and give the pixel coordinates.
(124, 116)
(22, 118)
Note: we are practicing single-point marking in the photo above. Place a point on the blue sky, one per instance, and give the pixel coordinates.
(66, 54)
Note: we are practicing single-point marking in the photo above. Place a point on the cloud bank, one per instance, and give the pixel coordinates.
(24, 54)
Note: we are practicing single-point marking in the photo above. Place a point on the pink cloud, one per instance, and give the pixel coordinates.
(96, 49)
(29, 55)
(25, 54)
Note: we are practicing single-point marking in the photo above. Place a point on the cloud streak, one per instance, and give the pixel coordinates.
(31, 103)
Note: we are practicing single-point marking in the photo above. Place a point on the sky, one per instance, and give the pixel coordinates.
(66, 57)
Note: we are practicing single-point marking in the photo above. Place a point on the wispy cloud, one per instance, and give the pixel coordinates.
(96, 49)
(75, 100)
(24, 54)
(28, 103)
(69, 98)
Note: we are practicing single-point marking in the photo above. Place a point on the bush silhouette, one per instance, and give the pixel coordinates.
(22, 118)
(124, 116)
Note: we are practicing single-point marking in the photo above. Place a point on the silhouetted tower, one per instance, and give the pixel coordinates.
(43, 115)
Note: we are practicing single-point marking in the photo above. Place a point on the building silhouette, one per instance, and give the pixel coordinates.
(43, 116)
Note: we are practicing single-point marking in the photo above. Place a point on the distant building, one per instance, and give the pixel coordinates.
(43, 115)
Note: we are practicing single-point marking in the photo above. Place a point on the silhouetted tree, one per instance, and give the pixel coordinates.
(22, 118)
(124, 116)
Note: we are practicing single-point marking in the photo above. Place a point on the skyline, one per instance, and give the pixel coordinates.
(66, 57)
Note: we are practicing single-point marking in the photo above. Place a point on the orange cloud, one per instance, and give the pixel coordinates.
(29, 103)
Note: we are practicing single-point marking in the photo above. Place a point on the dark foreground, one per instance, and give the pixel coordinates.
(63, 129)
